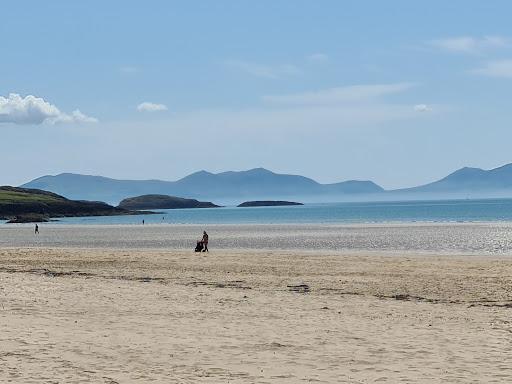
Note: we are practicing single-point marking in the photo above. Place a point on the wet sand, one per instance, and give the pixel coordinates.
(70, 315)
(436, 238)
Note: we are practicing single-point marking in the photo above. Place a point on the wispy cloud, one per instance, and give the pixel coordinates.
(496, 68)
(16, 109)
(286, 122)
(353, 93)
(318, 58)
(264, 71)
(422, 108)
(469, 44)
(151, 107)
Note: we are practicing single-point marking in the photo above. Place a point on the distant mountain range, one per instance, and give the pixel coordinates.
(254, 184)
(262, 184)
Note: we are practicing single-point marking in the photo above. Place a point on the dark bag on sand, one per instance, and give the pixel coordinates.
(199, 247)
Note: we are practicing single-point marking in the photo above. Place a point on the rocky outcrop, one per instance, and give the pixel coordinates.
(163, 202)
(268, 203)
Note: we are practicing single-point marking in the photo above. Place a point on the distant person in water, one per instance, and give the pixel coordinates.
(205, 242)
(36, 229)
(142, 222)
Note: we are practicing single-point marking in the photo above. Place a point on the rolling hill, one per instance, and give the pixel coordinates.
(21, 204)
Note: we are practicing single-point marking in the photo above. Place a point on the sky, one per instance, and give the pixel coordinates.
(398, 92)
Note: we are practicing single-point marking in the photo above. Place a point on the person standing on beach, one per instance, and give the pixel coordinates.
(36, 230)
(205, 242)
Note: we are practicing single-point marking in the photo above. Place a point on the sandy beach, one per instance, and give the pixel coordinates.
(109, 315)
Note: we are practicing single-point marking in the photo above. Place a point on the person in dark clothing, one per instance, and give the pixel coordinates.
(36, 229)
(205, 242)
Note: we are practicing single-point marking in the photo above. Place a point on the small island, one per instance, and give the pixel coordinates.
(163, 202)
(268, 203)
(23, 205)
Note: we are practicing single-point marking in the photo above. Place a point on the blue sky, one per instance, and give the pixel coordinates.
(398, 92)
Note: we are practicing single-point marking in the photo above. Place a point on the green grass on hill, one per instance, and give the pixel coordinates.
(10, 197)
(22, 205)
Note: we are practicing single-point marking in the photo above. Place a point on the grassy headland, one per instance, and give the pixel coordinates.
(32, 205)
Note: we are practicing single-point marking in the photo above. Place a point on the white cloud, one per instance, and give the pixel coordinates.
(75, 117)
(353, 93)
(151, 107)
(422, 108)
(264, 71)
(469, 44)
(496, 68)
(35, 110)
(318, 58)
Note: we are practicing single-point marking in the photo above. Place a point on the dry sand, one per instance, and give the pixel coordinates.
(124, 316)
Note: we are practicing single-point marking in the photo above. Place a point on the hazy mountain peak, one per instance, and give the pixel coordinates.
(470, 181)
(465, 172)
(201, 173)
(260, 171)
(198, 174)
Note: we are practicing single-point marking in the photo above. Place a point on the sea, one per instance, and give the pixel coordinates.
(480, 227)
(439, 211)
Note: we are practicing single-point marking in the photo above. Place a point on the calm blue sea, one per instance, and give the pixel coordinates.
(334, 213)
